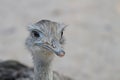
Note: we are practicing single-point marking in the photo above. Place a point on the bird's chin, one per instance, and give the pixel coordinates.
(42, 53)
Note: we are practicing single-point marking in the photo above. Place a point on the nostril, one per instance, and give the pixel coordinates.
(53, 46)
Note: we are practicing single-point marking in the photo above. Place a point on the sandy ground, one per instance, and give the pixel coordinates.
(92, 37)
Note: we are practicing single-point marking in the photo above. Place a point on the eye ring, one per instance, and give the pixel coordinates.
(35, 34)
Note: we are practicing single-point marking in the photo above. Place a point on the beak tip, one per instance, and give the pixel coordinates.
(61, 54)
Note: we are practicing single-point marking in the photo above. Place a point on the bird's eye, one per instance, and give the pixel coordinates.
(61, 33)
(35, 34)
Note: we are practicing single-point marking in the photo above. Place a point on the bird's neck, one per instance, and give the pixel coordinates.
(42, 68)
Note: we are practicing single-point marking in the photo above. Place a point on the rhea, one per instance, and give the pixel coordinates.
(45, 41)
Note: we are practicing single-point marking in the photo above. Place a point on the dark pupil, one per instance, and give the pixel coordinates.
(35, 34)
(61, 33)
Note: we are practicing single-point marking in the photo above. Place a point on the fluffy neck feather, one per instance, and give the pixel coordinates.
(42, 66)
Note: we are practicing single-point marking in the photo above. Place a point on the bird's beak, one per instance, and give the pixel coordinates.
(59, 52)
(55, 48)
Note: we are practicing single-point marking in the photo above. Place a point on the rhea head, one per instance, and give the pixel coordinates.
(46, 39)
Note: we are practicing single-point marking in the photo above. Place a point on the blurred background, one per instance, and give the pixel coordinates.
(92, 37)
